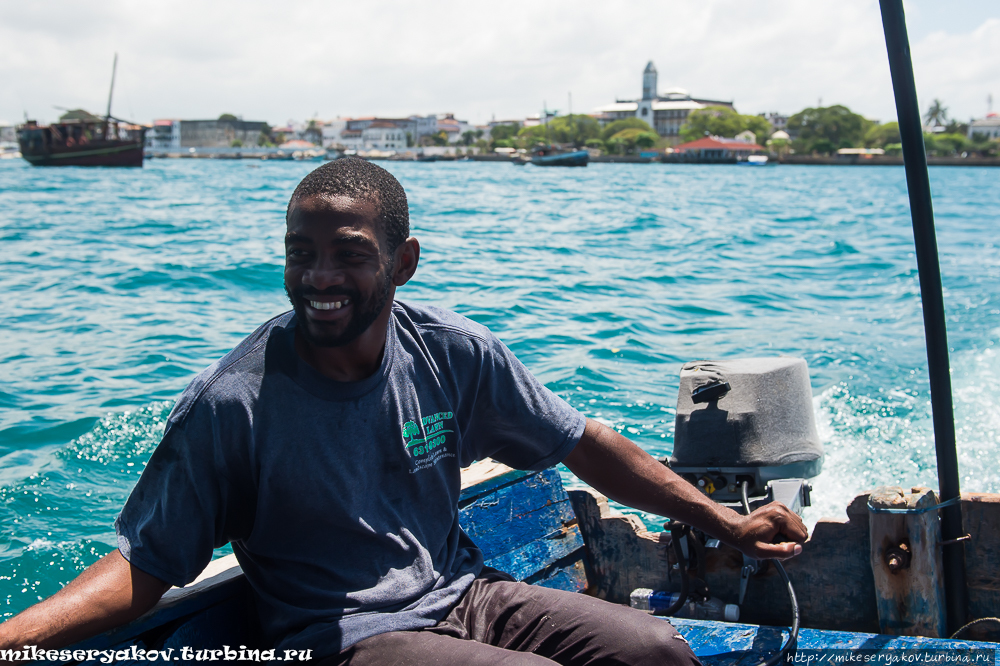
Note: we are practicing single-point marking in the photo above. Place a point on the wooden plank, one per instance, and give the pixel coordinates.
(536, 526)
(910, 599)
(485, 476)
(981, 519)
(536, 554)
(736, 644)
(515, 502)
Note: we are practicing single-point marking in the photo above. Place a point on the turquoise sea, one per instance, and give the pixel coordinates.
(118, 286)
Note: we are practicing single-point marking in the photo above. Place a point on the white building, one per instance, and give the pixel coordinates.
(385, 134)
(988, 127)
(665, 112)
(164, 135)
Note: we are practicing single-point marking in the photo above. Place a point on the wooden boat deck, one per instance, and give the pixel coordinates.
(732, 644)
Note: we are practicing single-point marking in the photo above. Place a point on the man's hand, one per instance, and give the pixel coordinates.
(771, 532)
(627, 474)
(109, 593)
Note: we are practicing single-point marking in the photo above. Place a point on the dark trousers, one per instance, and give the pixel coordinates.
(503, 623)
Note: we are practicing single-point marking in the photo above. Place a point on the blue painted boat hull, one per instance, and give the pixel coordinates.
(732, 644)
(576, 158)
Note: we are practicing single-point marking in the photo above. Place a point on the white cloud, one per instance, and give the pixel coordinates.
(265, 61)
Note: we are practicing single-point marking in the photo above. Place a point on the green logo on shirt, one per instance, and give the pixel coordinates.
(433, 429)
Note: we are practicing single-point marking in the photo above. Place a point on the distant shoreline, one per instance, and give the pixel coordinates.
(799, 160)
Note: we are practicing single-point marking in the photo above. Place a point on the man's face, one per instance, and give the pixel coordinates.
(338, 274)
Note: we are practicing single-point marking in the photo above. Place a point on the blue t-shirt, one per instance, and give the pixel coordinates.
(341, 498)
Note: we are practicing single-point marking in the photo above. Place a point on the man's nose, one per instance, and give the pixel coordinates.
(323, 277)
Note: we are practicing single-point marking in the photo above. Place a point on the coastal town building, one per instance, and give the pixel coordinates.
(8, 134)
(779, 121)
(665, 111)
(988, 127)
(374, 133)
(718, 148)
(170, 134)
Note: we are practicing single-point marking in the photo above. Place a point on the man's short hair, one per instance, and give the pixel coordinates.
(360, 179)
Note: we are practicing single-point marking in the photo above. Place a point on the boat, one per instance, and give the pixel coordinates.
(84, 140)
(529, 525)
(552, 156)
(755, 160)
(108, 142)
(883, 580)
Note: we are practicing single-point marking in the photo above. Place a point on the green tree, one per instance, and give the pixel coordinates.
(825, 129)
(595, 143)
(469, 137)
(879, 136)
(228, 117)
(575, 129)
(957, 127)
(627, 140)
(723, 121)
(410, 429)
(265, 139)
(948, 144)
(504, 132)
(779, 146)
(532, 135)
(759, 126)
(646, 139)
(613, 128)
(937, 114)
(441, 138)
(236, 143)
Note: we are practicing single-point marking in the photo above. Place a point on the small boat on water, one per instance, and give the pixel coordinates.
(754, 160)
(552, 156)
(83, 139)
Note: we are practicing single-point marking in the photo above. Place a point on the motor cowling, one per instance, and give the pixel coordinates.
(746, 420)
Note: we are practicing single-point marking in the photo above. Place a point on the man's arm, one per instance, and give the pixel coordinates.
(621, 470)
(107, 594)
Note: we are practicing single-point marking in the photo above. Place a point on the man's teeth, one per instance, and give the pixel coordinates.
(336, 305)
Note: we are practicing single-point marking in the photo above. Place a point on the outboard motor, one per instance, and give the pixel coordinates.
(747, 420)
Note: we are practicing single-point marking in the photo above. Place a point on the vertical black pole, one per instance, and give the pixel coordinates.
(918, 185)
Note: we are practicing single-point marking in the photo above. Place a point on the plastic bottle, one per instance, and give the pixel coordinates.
(652, 601)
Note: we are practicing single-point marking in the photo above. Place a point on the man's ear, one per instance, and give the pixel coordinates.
(407, 255)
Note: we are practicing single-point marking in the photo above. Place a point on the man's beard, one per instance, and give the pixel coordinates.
(365, 312)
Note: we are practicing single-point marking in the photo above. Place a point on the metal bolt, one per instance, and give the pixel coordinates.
(898, 557)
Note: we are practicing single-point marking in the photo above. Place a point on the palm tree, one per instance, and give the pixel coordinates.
(937, 114)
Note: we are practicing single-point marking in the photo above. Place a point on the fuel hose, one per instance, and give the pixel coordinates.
(793, 636)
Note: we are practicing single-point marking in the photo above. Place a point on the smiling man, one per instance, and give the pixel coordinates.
(302, 449)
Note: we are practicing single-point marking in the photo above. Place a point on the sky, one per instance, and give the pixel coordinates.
(480, 60)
